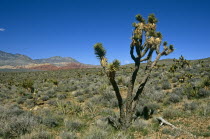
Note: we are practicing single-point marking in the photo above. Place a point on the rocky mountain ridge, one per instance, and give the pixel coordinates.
(19, 61)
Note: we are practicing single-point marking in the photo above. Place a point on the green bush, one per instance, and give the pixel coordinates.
(174, 98)
(45, 98)
(174, 80)
(28, 84)
(166, 85)
(73, 125)
(21, 100)
(96, 133)
(202, 93)
(174, 132)
(42, 135)
(68, 135)
(190, 106)
(170, 113)
(15, 122)
(61, 96)
(50, 122)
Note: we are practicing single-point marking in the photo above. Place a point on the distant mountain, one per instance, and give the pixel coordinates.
(14, 59)
(18, 61)
(56, 59)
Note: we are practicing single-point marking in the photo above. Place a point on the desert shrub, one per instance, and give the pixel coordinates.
(203, 134)
(166, 85)
(171, 113)
(169, 75)
(194, 81)
(96, 133)
(107, 112)
(195, 91)
(65, 107)
(155, 74)
(107, 95)
(120, 80)
(157, 96)
(205, 82)
(50, 122)
(139, 124)
(52, 102)
(90, 107)
(51, 93)
(89, 95)
(113, 103)
(102, 123)
(174, 132)
(190, 106)
(81, 98)
(42, 135)
(46, 86)
(61, 96)
(204, 109)
(174, 98)
(106, 98)
(54, 81)
(28, 84)
(73, 125)
(109, 103)
(174, 80)
(30, 102)
(123, 80)
(29, 96)
(45, 98)
(157, 87)
(122, 135)
(10, 111)
(178, 91)
(68, 135)
(66, 88)
(15, 122)
(21, 100)
(190, 91)
(77, 93)
(202, 93)
(153, 106)
(4, 95)
(155, 81)
(177, 75)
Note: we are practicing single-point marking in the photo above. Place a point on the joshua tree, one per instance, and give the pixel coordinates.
(145, 42)
(181, 62)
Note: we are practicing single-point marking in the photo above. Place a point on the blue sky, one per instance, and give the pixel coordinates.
(70, 28)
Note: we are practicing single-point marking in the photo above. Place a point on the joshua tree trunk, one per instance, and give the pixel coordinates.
(144, 48)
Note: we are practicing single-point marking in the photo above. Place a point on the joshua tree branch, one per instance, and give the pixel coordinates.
(131, 52)
(148, 56)
(144, 81)
(145, 51)
(119, 98)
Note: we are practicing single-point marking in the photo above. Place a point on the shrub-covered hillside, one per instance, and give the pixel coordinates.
(71, 104)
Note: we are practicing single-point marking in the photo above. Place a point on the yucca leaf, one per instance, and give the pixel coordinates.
(99, 50)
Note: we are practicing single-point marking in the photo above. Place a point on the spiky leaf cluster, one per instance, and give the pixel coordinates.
(100, 52)
(140, 18)
(171, 47)
(165, 43)
(114, 66)
(153, 38)
(152, 19)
